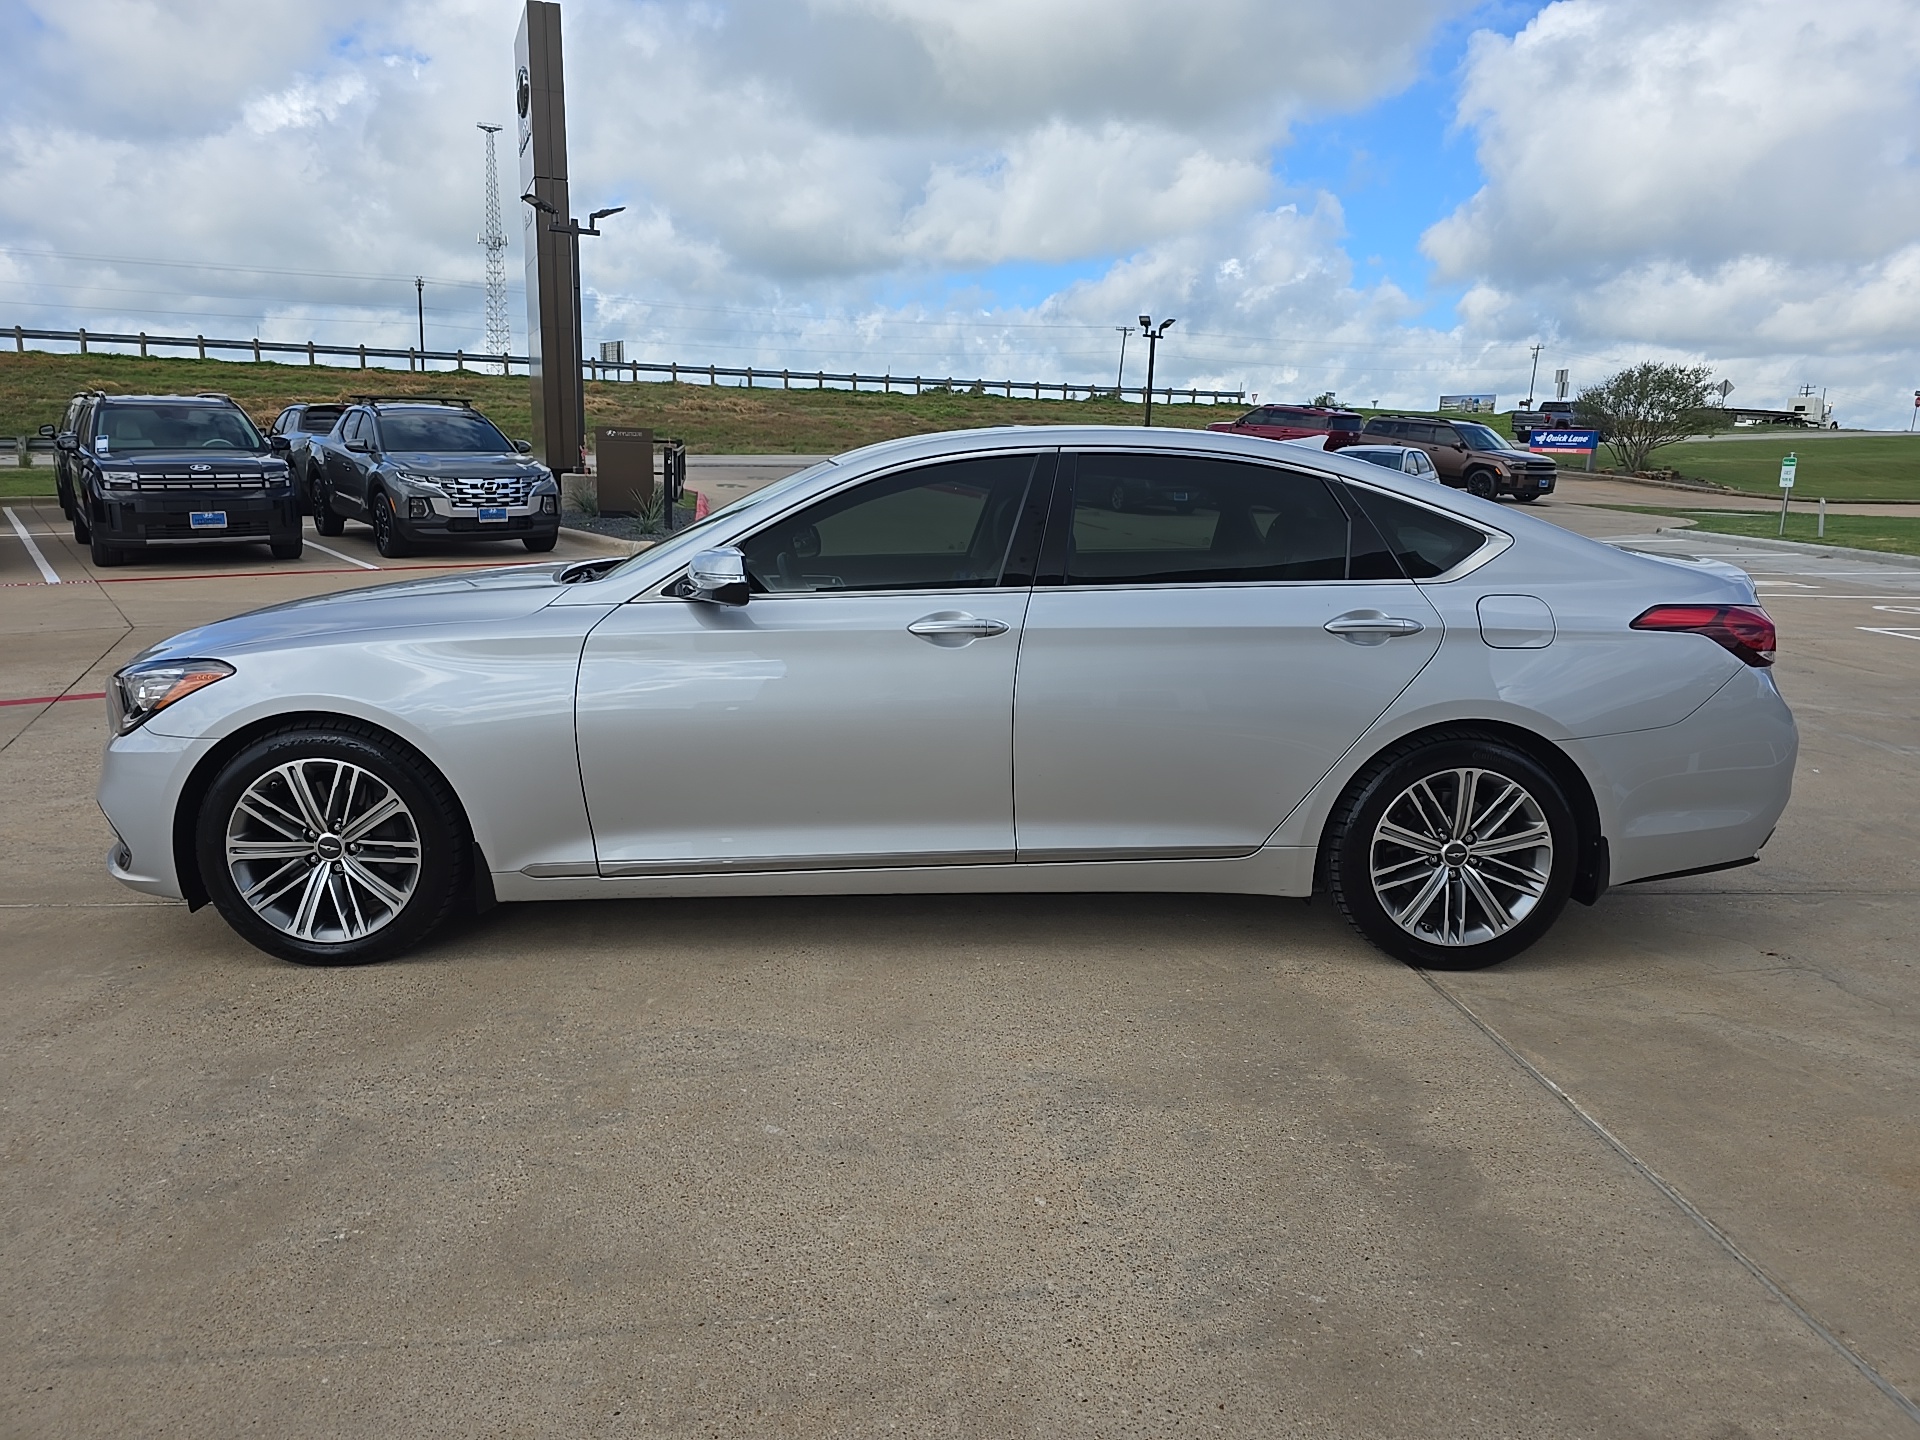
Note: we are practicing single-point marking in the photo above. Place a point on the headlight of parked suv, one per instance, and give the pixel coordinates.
(147, 687)
(425, 484)
(118, 479)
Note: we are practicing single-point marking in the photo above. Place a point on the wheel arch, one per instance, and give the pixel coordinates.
(1590, 875)
(186, 810)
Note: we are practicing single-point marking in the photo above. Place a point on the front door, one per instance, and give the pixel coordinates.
(857, 712)
(1179, 691)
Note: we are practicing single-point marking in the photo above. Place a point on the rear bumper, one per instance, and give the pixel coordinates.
(1704, 793)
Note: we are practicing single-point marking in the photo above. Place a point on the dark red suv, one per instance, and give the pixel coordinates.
(1296, 422)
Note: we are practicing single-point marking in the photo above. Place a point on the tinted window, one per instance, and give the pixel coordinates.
(1344, 423)
(1425, 544)
(1481, 437)
(1388, 458)
(1162, 519)
(934, 527)
(356, 424)
(1434, 434)
(318, 419)
(440, 432)
(133, 428)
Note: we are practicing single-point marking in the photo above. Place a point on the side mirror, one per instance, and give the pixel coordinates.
(719, 576)
(358, 447)
(47, 432)
(66, 440)
(525, 447)
(279, 444)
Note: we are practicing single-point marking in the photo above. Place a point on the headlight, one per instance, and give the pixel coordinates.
(421, 482)
(145, 688)
(118, 479)
(543, 483)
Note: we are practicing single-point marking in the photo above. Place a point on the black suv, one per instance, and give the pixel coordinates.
(138, 472)
(302, 425)
(417, 469)
(1469, 456)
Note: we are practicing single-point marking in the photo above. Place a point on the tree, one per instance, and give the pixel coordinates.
(1325, 398)
(1646, 406)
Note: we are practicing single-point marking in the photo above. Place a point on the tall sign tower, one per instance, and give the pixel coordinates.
(494, 240)
(553, 339)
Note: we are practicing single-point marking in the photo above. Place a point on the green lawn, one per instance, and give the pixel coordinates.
(1866, 467)
(725, 419)
(1898, 534)
(15, 483)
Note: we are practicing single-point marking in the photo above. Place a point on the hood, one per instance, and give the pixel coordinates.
(438, 462)
(475, 596)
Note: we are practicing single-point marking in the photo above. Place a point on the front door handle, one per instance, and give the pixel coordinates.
(954, 628)
(1371, 627)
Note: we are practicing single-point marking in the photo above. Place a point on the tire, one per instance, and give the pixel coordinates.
(326, 520)
(1490, 903)
(104, 554)
(387, 538)
(82, 532)
(331, 896)
(540, 544)
(288, 549)
(1480, 483)
(1526, 497)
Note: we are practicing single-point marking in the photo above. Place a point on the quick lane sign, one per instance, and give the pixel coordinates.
(1563, 442)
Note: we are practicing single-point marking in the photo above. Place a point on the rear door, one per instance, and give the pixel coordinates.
(1179, 691)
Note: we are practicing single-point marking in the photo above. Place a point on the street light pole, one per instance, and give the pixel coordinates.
(1153, 335)
(1535, 375)
(1120, 380)
(420, 306)
(573, 230)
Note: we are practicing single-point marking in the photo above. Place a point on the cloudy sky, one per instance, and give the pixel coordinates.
(1384, 198)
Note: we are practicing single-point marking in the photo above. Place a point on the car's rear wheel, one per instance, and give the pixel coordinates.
(325, 519)
(331, 846)
(386, 528)
(1453, 852)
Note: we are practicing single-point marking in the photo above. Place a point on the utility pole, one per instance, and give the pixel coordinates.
(1535, 375)
(420, 308)
(494, 240)
(1120, 381)
(1153, 345)
(573, 229)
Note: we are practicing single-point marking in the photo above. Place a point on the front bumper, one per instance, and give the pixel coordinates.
(142, 775)
(129, 518)
(448, 521)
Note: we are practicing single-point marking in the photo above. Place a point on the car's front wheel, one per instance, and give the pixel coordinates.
(1452, 852)
(331, 846)
(540, 544)
(387, 538)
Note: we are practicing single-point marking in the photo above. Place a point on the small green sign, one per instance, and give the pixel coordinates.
(1787, 467)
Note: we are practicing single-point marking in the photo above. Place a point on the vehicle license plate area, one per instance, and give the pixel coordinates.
(208, 519)
(493, 514)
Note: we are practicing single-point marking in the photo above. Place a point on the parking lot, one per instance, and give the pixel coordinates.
(1038, 1165)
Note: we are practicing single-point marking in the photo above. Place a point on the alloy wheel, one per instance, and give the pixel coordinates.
(323, 850)
(1461, 856)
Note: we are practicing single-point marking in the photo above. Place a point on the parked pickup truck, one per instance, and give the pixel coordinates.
(1552, 415)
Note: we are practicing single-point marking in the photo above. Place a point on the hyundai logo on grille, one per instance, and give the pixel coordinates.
(199, 468)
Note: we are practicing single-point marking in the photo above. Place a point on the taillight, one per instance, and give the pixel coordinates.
(1745, 630)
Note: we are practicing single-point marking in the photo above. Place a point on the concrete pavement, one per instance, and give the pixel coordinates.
(1123, 1165)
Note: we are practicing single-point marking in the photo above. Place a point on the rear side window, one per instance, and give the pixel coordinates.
(1426, 544)
(1345, 424)
(1171, 519)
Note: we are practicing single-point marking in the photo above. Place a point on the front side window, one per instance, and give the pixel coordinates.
(934, 527)
(1170, 519)
(1482, 437)
(124, 429)
(438, 432)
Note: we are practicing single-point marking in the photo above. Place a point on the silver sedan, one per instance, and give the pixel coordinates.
(1075, 659)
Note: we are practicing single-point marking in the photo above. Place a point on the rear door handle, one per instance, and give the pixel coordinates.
(1371, 627)
(955, 627)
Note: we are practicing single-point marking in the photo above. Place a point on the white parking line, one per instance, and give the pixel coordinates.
(324, 550)
(47, 572)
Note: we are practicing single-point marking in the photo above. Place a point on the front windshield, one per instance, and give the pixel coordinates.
(441, 432)
(141, 429)
(767, 495)
(1480, 437)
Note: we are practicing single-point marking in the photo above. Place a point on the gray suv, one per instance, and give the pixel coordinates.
(420, 470)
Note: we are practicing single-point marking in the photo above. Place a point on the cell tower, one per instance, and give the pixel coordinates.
(494, 240)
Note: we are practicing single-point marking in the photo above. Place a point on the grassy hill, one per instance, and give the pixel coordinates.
(1847, 467)
(35, 389)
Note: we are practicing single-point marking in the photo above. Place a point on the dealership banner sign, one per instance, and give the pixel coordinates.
(1563, 442)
